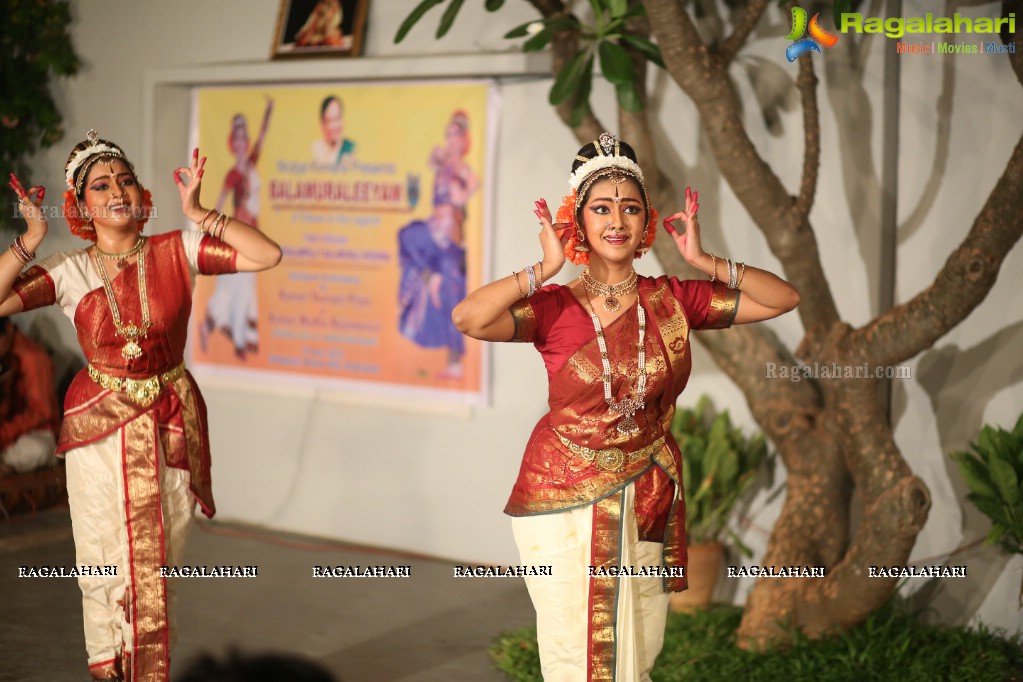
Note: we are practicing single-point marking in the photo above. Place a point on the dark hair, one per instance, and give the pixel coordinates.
(4, 321)
(590, 151)
(326, 103)
(239, 667)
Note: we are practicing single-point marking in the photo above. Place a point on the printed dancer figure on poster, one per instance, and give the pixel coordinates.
(233, 307)
(432, 252)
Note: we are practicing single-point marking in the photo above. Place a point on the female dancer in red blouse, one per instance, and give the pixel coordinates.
(134, 433)
(599, 490)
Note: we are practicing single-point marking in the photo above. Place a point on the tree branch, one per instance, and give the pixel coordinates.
(755, 184)
(806, 83)
(731, 45)
(960, 286)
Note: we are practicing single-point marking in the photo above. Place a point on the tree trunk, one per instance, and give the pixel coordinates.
(833, 436)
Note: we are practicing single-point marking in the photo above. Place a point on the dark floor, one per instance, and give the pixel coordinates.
(430, 627)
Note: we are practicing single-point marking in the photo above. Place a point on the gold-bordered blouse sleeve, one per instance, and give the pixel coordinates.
(216, 257)
(525, 322)
(35, 288)
(724, 303)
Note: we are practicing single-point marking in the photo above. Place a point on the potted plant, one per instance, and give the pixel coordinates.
(993, 472)
(719, 464)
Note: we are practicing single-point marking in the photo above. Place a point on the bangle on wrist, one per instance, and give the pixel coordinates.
(201, 224)
(518, 285)
(714, 272)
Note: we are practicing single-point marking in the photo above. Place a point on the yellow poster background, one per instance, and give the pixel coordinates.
(330, 313)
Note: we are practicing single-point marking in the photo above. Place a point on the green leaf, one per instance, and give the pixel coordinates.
(567, 82)
(618, 7)
(1017, 431)
(413, 18)
(995, 510)
(1004, 476)
(538, 41)
(615, 63)
(449, 18)
(646, 48)
(840, 7)
(493, 5)
(995, 534)
(581, 103)
(975, 473)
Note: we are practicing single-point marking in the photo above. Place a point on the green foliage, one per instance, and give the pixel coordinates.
(606, 41)
(719, 464)
(993, 471)
(34, 47)
(892, 644)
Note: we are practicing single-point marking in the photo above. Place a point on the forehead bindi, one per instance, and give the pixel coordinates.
(616, 192)
(106, 169)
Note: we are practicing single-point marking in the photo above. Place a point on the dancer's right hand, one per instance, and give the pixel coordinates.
(30, 205)
(553, 246)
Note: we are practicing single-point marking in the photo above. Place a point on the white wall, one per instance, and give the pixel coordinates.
(437, 484)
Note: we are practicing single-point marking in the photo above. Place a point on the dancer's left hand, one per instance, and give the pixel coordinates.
(688, 241)
(189, 180)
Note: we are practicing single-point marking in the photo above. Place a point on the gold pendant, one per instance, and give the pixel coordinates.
(612, 305)
(628, 426)
(131, 350)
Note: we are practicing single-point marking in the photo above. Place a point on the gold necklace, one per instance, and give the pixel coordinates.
(123, 256)
(610, 292)
(629, 406)
(131, 333)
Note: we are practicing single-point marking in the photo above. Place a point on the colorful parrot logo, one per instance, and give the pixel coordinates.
(818, 36)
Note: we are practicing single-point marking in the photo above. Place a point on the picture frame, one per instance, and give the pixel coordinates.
(319, 28)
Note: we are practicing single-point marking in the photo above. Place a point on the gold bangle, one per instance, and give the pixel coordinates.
(515, 276)
(742, 274)
(223, 227)
(714, 275)
(202, 222)
(540, 265)
(21, 260)
(216, 223)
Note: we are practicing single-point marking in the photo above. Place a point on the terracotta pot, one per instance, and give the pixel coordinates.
(703, 571)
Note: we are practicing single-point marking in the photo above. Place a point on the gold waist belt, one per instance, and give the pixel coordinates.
(140, 391)
(612, 459)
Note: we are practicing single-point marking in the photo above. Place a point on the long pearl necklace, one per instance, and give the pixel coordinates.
(130, 332)
(626, 407)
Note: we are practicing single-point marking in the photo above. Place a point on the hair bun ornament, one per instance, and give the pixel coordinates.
(607, 143)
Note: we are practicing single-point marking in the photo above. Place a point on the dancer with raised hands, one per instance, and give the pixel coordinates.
(599, 495)
(134, 434)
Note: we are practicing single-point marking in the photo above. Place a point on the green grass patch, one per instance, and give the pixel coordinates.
(892, 644)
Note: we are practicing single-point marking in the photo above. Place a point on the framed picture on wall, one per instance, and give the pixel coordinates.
(319, 28)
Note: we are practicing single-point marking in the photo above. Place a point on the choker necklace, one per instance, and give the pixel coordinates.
(628, 406)
(131, 333)
(122, 257)
(609, 292)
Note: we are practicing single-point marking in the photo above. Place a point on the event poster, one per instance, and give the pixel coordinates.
(377, 195)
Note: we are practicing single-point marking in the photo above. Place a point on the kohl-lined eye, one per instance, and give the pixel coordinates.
(600, 209)
(632, 209)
